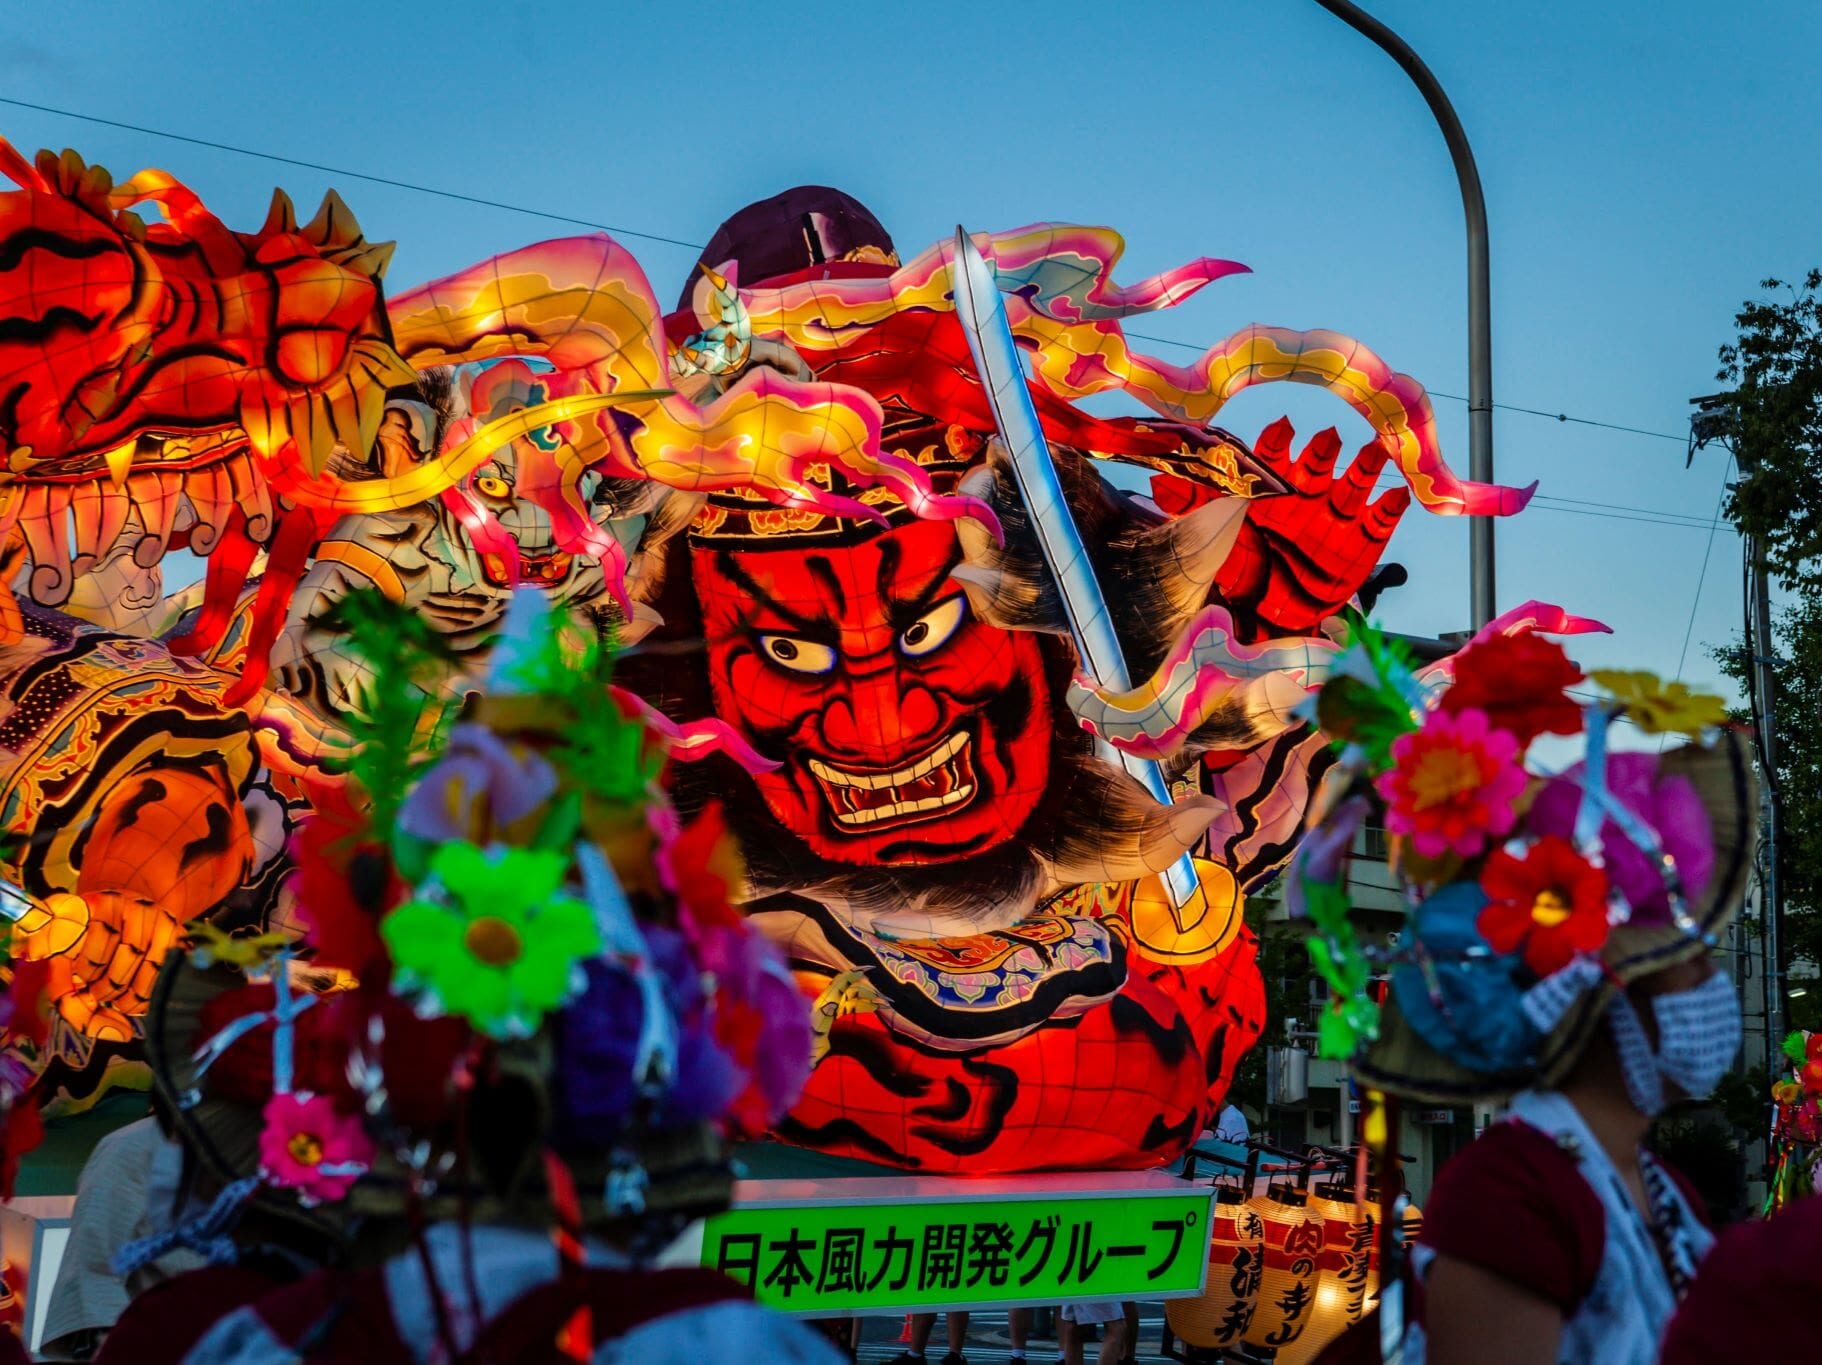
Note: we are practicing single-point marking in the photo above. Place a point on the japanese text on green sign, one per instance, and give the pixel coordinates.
(814, 1258)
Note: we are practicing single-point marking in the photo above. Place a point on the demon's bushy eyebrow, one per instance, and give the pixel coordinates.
(726, 563)
(824, 573)
(901, 611)
(905, 612)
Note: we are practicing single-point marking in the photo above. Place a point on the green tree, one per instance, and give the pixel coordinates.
(1797, 722)
(1772, 416)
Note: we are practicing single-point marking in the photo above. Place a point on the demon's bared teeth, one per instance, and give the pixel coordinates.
(942, 779)
(844, 777)
(899, 809)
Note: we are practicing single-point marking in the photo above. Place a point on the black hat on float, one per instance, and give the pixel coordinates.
(798, 232)
(812, 232)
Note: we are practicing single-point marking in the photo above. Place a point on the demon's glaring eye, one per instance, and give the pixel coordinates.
(931, 631)
(492, 487)
(797, 654)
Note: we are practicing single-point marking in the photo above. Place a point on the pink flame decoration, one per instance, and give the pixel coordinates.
(690, 741)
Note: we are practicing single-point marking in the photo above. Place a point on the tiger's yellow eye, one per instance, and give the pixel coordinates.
(492, 487)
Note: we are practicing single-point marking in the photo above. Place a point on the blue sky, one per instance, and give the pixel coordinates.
(1645, 164)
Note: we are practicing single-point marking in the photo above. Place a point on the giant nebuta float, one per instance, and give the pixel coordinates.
(1010, 882)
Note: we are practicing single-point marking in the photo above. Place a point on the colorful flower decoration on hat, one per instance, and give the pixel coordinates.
(1809, 1072)
(1313, 890)
(1512, 883)
(759, 1016)
(597, 1044)
(1456, 784)
(1520, 682)
(589, 948)
(1664, 803)
(1371, 697)
(1660, 708)
(1321, 858)
(309, 1146)
(1463, 999)
(1550, 903)
(478, 787)
(494, 938)
(395, 724)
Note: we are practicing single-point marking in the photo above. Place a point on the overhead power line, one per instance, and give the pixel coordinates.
(352, 175)
(1645, 514)
(1682, 440)
(1702, 576)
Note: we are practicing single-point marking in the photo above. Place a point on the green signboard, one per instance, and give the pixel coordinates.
(859, 1245)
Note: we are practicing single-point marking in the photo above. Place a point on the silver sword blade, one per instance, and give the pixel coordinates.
(1002, 370)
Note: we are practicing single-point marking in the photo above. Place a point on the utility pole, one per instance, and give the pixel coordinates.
(1713, 421)
(1764, 683)
(1480, 326)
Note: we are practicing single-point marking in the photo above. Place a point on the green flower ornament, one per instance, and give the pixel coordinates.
(492, 938)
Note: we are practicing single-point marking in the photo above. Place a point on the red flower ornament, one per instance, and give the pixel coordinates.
(1519, 681)
(1550, 901)
(1810, 1073)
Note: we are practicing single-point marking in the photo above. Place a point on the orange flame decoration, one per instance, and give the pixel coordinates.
(1066, 310)
(583, 304)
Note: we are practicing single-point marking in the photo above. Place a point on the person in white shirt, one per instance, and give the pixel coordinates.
(1231, 1126)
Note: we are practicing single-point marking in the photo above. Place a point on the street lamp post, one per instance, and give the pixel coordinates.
(1480, 338)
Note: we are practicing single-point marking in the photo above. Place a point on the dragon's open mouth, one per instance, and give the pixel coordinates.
(939, 782)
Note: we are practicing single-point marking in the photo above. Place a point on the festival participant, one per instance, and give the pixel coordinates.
(1107, 1314)
(1230, 1125)
(1560, 953)
(1018, 1332)
(490, 1139)
(127, 1189)
(1558, 1230)
(955, 1325)
(1749, 1299)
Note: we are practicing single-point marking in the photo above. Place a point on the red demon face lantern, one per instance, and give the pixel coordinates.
(908, 731)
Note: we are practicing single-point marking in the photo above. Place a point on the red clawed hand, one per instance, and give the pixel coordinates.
(1301, 556)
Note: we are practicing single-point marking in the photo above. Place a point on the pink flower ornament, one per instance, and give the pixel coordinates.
(1454, 784)
(310, 1147)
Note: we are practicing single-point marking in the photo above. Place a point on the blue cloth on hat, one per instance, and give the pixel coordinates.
(1476, 1017)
